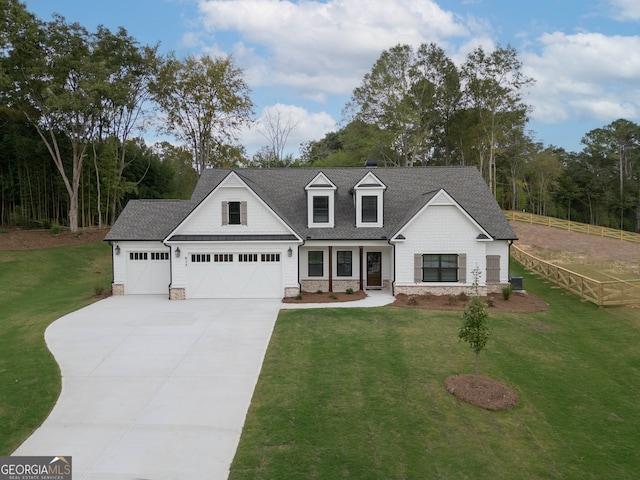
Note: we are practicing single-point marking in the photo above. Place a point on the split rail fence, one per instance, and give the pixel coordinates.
(615, 292)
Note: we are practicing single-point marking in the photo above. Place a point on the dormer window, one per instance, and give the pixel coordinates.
(320, 202)
(320, 209)
(369, 196)
(369, 209)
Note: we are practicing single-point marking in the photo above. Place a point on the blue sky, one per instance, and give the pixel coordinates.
(304, 58)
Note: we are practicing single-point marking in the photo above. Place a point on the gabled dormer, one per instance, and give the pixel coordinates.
(369, 201)
(320, 202)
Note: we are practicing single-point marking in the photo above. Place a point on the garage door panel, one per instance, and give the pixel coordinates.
(148, 273)
(246, 279)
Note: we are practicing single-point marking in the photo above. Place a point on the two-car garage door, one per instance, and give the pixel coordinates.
(234, 275)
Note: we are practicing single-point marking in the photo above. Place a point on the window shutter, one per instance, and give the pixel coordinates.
(417, 268)
(225, 213)
(493, 268)
(243, 213)
(462, 268)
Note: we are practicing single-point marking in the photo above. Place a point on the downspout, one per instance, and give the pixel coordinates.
(298, 262)
(113, 267)
(509, 262)
(393, 282)
(170, 269)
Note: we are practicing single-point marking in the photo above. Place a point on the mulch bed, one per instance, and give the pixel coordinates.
(326, 297)
(488, 393)
(519, 302)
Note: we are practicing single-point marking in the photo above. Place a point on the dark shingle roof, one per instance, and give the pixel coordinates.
(408, 190)
(149, 219)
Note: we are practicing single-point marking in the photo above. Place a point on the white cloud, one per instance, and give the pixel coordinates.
(323, 47)
(306, 126)
(585, 75)
(626, 9)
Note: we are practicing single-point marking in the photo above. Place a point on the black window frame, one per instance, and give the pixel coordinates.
(320, 212)
(315, 261)
(235, 215)
(344, 262)
(368, 210)
(438, 267)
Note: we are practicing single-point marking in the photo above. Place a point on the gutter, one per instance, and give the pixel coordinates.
(393, 283)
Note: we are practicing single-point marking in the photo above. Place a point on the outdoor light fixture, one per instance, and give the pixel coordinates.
(177, 252)
(117, 249)
(289, 252)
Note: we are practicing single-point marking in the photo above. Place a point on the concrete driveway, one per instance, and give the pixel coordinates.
(152, 388)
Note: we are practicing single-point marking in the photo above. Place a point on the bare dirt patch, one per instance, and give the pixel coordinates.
(564, 247)
(488, 393)
(17, 239)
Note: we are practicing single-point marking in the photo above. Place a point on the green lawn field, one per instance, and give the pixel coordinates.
(357, 393)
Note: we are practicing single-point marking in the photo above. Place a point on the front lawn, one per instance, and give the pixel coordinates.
(36, 288)
(358, 393)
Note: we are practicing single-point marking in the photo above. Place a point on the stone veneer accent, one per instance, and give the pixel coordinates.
(117, 289)
(446, 290)
(290, 292)
(177, 294)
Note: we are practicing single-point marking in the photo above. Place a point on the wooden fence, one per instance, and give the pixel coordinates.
(614, 292)
(573, 226)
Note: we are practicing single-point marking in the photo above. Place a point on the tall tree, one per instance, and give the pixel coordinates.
(493, 88)
(440, 103)
(617, 146)
(276, 130)
(130, 69)
(387, 99)
(55, 82)
(206, 102)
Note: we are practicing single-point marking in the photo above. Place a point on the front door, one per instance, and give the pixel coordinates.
(374, 269)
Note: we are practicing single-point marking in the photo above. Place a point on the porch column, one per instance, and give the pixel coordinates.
(330, 269)
(361, 269)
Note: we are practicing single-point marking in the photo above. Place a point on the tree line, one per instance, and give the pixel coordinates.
(416, 107)
(74, 105)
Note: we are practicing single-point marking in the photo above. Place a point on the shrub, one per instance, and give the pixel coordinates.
(412, 300)
(349, 291)
(319, 290)
(506, 292)
(56, 229)
(299, 296)
(452, 300)
(333, 296)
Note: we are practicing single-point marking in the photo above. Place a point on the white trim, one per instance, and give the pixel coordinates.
(321, 186)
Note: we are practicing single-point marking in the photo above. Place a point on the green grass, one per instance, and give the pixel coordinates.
(355, 393)
(36, 288)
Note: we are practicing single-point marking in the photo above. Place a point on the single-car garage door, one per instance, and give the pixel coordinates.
(147, 273)
(234, 275)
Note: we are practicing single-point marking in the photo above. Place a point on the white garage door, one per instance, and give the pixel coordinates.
(147, 273)
(234, 275)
